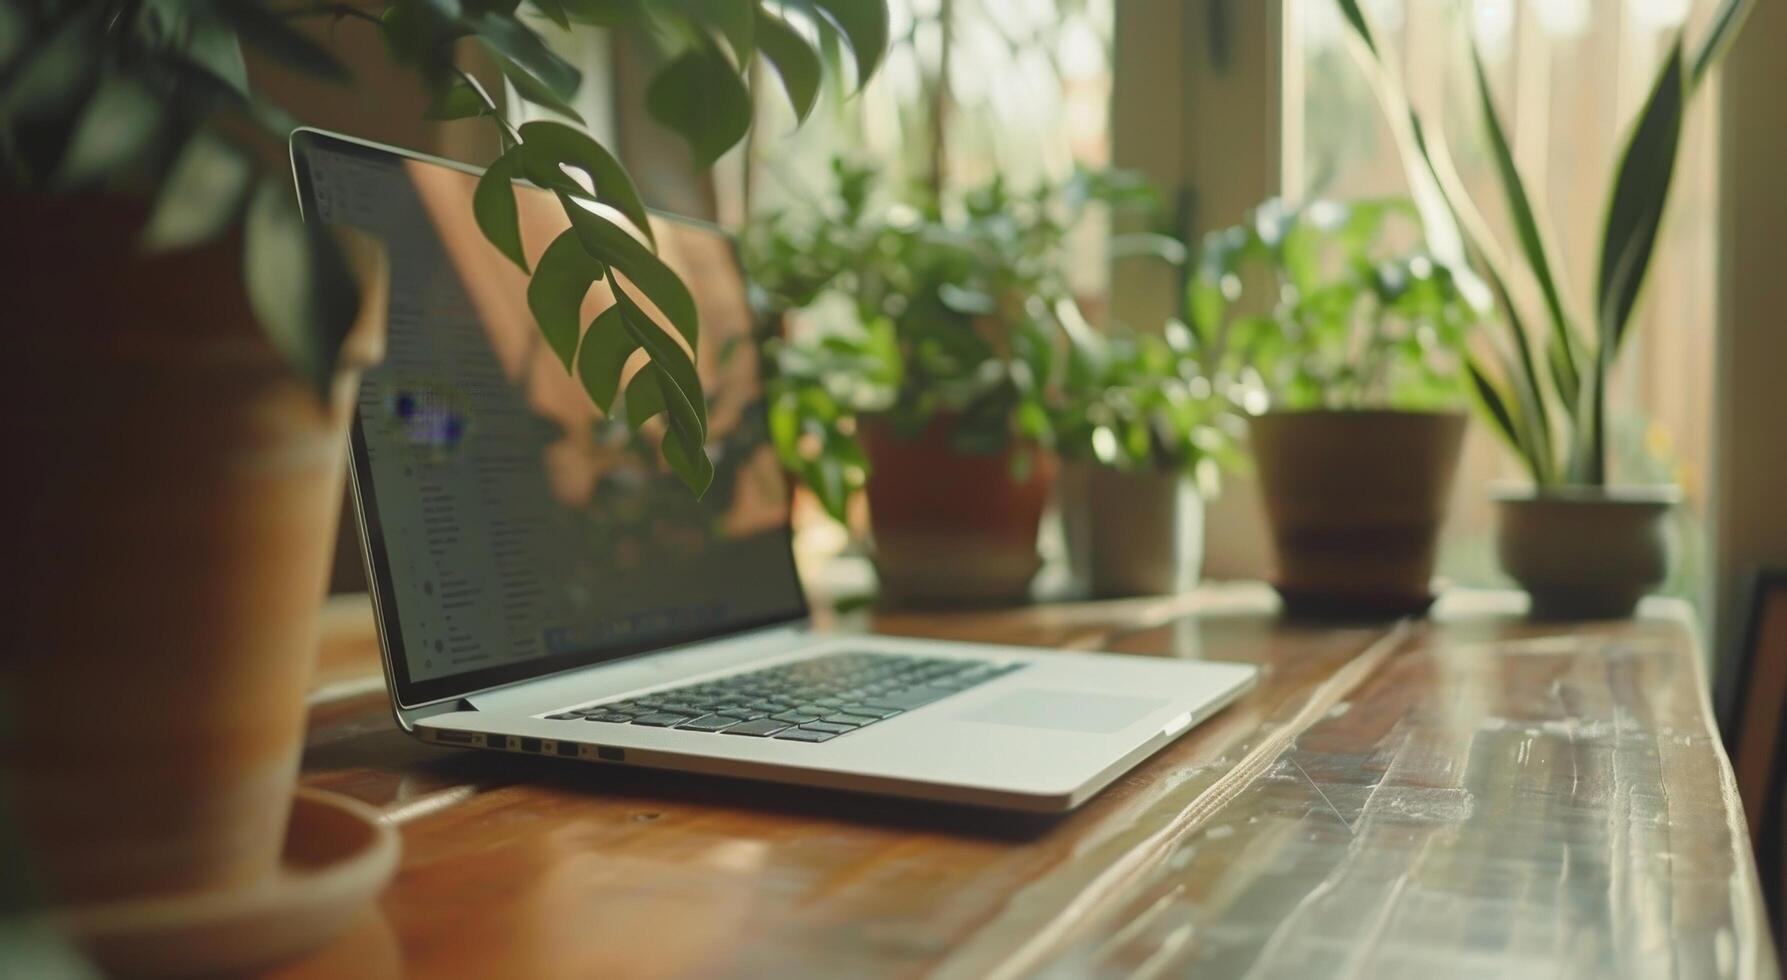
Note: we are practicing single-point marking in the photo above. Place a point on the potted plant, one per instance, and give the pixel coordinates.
(1146, 436)
(1580, 545)
(185, 363)
(1350, 372)
(933, 388)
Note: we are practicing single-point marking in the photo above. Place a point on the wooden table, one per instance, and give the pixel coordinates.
(1475, 796)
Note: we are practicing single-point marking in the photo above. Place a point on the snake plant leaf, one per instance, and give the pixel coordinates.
(299, 285)
(1495, 403)
(202, 195)
(1640, 195)
(1361, 26)
(555, 294)
(607, 13)
(493, 204)
(670, 359)
(1563, 347)
(700, 96)
(603, 356)
(1719, 35)
(611, 244)
(864, 26)
(1523, 377)
(795, 61)
(734, 20)
(457, 101)
(554, 144)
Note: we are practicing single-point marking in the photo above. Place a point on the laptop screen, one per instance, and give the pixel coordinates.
(514, 530)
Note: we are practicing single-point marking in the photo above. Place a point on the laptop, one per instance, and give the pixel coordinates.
(543, 585)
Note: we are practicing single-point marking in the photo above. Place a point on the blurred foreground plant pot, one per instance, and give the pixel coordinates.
(171, 504)
(1585, 552)
(1355, 500)
(952, 528)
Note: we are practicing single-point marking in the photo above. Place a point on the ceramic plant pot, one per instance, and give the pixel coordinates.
(1586, 552)
(171, 502)
(1132, 533)
(1355, 501)
(952, 528)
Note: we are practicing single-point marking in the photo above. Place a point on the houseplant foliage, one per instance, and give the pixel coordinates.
(1542, 379)
(153, 98)
(945, 330)
(168, 553)
(1349, 361)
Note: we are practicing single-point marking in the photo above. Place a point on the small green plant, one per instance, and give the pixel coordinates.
(1554, 416)
(1348, 323)
(960, 311)
(1144, 404)
(152, 98)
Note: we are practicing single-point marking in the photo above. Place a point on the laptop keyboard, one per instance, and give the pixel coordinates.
(812, 700)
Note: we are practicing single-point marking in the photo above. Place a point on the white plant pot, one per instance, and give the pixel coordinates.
(1132, 533)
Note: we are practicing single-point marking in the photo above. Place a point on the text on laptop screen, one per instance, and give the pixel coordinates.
(520, 530)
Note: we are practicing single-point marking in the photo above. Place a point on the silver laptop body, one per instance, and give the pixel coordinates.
(542, 587)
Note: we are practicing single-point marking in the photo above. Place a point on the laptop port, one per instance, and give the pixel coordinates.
(568, 749)
(608, 753)
(530, 744)
(453, 738)
(496, 741)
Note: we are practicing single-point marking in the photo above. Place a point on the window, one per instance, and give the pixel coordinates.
(1568, 75)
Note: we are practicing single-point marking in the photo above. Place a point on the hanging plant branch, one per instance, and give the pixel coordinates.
(157, 96)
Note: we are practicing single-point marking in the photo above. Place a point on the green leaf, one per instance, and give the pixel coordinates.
(735, 20)
(533, 90)
(701, 97)
(1640, 194)
(1496, 404)
(493, 204)
(644, 397)
(119, 123)
(457, 101)
(1361, 26)
(1524, 376)
(610, 243)
(603, 355)
(685, 451)
(794, 60)
(1562, 348)
(203, 193)
(674, 362)
(553, 10)
(556, 292)
(298, 283)
(265, 31)
(521, 52)
(554, 144)
(864, 25)
(1724, 28)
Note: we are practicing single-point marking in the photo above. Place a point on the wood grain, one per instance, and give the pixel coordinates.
(1470, 796)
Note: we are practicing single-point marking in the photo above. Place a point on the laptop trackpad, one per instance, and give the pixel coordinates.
(1063, 710)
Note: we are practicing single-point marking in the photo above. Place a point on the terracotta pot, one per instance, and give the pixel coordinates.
(1132, 533)
(171, 502)
(1586, 552)
(1356, 501)
(951, 528)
